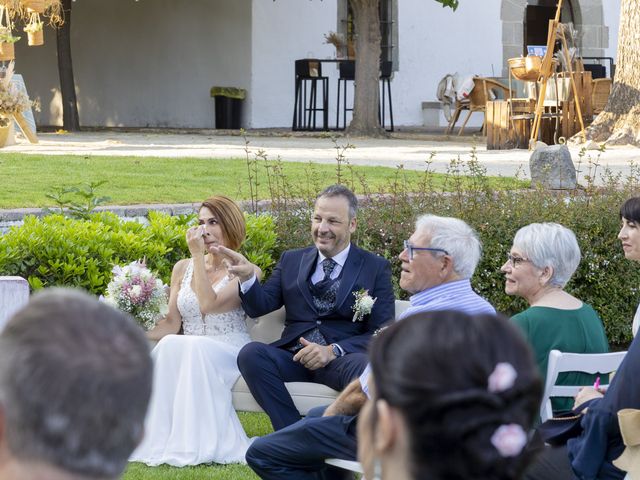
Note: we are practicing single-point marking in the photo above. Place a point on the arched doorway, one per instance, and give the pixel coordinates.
(587, 17)
(537, 14)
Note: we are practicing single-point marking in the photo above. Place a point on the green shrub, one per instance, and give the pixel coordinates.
(604, 279)
(56, 250)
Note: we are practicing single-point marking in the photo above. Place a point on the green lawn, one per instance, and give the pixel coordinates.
(26, 179)
(255, 424)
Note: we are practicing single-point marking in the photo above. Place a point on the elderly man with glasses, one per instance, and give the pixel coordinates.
(438, 261)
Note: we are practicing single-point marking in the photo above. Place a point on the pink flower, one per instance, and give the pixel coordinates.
(502, 378)
(509, 440)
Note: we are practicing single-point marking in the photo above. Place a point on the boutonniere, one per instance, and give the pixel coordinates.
(363, 304)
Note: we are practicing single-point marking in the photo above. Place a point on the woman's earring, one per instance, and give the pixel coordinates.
(377, 469)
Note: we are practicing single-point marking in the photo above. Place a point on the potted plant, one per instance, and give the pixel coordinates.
(34, 30)
(337, 40)
(7, 50)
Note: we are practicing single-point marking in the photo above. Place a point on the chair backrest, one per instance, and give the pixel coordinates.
(601, 89)
(14, 293)
(560, 362)
(480, 95)
(308, 68)
(347, 69)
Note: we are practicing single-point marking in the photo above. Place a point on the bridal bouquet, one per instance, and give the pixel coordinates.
(136, 290)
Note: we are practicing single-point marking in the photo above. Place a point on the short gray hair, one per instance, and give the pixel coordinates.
(550, 245)
(457, 238)
(338, 190)
(75, 382)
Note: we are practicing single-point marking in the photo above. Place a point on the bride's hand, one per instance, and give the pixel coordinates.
(195, 240)
(236, 263)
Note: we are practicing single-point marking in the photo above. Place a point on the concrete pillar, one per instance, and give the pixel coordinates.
(14, 293)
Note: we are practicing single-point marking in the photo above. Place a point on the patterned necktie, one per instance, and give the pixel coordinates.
(328, 265)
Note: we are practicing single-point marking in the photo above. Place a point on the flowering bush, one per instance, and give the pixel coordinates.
(135, 290)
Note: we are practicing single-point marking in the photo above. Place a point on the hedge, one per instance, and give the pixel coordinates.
(56, 250)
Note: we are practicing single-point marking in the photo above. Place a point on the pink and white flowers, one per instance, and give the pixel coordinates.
(136, 290)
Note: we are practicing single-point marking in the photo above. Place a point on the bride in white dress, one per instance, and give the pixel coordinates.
(191, 419)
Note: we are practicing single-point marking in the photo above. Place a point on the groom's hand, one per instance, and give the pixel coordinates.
(237, 264)
(313, 356)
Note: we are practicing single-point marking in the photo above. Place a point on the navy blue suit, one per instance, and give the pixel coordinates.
(266, 367)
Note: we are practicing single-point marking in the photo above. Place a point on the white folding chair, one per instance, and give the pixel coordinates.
(560, 362)
(345, 464)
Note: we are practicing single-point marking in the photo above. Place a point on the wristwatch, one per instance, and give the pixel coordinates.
(337, 351)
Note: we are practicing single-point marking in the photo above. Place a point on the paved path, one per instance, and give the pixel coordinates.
(411, 149)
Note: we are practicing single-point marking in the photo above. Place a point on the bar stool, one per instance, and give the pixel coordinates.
(308, 74)
(347, 70)
(386, 68)
(347, 73)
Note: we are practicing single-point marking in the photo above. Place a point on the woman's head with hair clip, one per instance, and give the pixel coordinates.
(452, 397)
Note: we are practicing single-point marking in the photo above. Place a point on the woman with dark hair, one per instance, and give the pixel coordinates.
(630, 237)
(452, 396)
(590, 455)
(191, 419)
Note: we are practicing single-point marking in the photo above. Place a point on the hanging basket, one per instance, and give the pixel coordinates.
(34, 6)
(7, 51)
(35, 38)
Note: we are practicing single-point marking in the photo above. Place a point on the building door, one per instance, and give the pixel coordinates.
(536, 20)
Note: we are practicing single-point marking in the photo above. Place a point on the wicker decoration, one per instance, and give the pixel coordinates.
(34, 6)
(528, 68)
(34, 30)
(7, 51)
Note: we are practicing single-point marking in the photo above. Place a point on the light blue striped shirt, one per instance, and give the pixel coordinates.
(456, 295)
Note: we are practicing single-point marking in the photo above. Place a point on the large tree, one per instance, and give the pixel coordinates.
(367, 26)
(619, 123)
(70, 118)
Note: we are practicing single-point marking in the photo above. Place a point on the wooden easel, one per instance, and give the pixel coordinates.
(546, 71)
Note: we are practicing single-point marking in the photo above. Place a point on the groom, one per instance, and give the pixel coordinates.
(321, 342)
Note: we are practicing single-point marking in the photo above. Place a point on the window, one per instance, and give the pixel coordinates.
(388, 27)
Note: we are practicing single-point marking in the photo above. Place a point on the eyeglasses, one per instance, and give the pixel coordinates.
(411, 249)
(516, 261)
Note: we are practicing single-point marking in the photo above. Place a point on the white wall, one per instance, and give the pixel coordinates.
(434, 41)
(147, 63)
(611, 10)
(283, 31)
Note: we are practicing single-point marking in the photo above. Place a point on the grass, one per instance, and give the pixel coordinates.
(26, 179)
(255, 424)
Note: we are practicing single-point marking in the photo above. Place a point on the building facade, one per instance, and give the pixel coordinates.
(151, 63)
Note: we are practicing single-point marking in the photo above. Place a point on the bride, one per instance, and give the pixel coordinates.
(191, 419)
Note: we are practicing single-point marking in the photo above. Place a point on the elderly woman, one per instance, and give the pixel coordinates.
(452, 397)
(541, 261)
(592, 454)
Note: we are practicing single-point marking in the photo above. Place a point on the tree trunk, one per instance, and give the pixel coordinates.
(70, 119)
(365, 120)
(619, 123)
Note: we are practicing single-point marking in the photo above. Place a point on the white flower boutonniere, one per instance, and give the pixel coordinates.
(363, 304)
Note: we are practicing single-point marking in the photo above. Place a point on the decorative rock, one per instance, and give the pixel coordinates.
(552, 167)
(14, 293)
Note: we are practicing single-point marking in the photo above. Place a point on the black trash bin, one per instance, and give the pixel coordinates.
(228, 106)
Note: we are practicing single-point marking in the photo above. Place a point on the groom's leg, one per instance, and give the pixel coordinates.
(298, 451)
(265, 369)
(342, 371)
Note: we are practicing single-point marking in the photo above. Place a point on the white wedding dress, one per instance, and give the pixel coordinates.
(191, 419)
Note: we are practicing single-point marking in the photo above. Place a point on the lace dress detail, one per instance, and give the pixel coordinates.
(191, 419)
(228, 327)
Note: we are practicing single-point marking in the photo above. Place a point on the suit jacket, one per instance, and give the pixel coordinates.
(288, 285)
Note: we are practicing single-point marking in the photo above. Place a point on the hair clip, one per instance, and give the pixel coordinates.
(502, 378)
(509, 440)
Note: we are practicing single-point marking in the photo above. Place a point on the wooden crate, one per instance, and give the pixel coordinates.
(509, 123)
